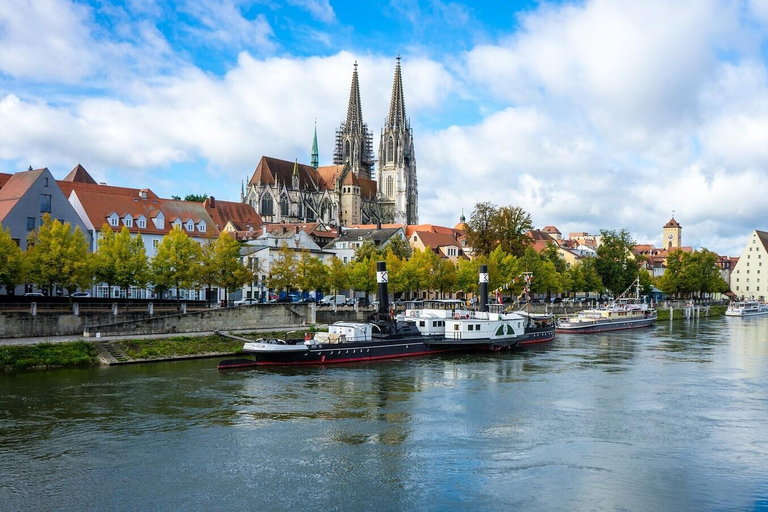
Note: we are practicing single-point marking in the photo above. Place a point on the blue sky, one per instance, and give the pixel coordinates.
(599, 114)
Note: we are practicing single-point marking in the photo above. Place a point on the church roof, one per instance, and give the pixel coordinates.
(672, 224)
(79, 175)
(270, 171)
(354, 109)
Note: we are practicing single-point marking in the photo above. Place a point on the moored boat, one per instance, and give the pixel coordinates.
(624, 313)
(747, 308)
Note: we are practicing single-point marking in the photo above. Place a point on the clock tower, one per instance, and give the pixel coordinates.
(673, 236)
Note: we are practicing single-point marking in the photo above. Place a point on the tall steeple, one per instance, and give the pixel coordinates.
(354, 142)
(398, 190)
(315, 153)
(397, 103)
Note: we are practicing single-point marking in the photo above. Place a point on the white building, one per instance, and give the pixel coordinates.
(748, 279)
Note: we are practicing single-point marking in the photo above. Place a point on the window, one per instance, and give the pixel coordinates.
(391, 149)
(45, 182)
(390, 186)
(267, 206)
(30, 223)
(155, 243)
(471, 327)
(113, 221)
(45, 203)
(421, 323)
(142, 223)
(128, 221)
(16, 241)
(284, 206)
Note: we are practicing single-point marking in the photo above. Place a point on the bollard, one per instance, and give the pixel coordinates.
(33, 308)
(671, 313)
(114, 309)
(150, 308)
(183, 308)
(76, 309)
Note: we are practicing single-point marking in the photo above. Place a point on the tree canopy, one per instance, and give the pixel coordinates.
(58, 256)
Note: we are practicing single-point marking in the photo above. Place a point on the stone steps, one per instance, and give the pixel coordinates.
(111, 353)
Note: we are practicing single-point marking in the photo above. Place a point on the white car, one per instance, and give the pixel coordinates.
(246, 302)
(80, 294)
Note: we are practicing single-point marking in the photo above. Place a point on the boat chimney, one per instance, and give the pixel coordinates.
(483, 288)
(382, 278)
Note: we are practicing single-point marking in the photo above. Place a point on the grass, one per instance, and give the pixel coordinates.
(46, 355)
(178, 346)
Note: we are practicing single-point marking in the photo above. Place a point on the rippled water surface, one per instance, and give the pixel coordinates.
(674, 417)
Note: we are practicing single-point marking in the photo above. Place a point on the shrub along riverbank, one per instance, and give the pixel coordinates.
(679, 314)
(83, 353)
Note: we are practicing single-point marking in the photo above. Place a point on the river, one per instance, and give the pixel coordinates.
(673, 417)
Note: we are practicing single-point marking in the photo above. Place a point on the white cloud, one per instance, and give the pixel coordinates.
(320, 10)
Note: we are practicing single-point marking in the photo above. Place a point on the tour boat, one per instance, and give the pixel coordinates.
(747, 308)
(624, 313)
(386, 336)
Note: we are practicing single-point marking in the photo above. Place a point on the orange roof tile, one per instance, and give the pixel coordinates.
(79, 175)
(15, 188)
(241, 215)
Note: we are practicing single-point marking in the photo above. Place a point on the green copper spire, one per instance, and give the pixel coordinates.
(315, 153)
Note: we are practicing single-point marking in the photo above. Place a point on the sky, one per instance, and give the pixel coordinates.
(597, 114)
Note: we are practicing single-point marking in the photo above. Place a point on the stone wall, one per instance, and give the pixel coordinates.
(329, 316)
(259, 316)
(26, 325)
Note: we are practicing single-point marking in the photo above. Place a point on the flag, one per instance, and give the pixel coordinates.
(498, 297)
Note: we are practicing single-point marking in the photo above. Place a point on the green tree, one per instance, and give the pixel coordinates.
(12, 264)
(367, 250)
(58, 256)
(510, 225)
(545, 277)
(444, 275)
(362, 275)
(197, 198)
(398, 280)
(467, 276)
(481, 229)
(222, 265)
(131, 263)
(418, 270)
(399, 247)
(311, 274)
(337, 276)
(177, 262)
(615, 264)
(282, 271)
(552, 253)
(105, 258)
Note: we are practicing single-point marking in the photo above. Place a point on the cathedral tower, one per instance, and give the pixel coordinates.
(397, 183)
(354, 142)
(315, 153)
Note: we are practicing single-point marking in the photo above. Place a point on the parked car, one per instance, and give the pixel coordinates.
(34, 294)
(245, 302)
(80, 295)
(330, 300)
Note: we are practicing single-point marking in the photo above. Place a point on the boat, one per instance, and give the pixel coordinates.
(747, 308)
(623, 313)
(387, 336)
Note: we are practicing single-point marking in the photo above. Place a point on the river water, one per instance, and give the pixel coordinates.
(673, 417)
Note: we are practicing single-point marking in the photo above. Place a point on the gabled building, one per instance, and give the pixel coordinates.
(240, 220)
(749, 279)
(26, 196)
(443, 244)
(344, 246)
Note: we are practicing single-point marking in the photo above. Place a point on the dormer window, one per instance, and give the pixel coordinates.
(201, 226)
(128, 221)
(114, 220)
(190, 225)
(141, 222)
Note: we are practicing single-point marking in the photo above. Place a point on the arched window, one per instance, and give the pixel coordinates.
(390, 187)
(391, 150)
(299, 210)
(346, 151)
(266, 205)
(284, 206)
(310, 214)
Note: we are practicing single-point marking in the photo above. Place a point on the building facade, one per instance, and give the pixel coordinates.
(749, 279)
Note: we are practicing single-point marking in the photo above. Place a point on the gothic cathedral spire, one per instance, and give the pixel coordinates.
(354, 142)
(315, 153)
(397, 161)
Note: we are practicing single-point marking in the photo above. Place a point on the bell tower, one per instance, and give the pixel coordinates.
(672, 234)
(354, 141)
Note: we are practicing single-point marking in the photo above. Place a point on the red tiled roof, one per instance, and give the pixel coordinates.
(271, 170)
(16, 186)
(241, 215)
(4, 178)
(551, 229)
(672, 224)
(79, 175)
(436, 240)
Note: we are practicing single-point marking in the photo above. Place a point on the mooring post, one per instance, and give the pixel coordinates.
(33, 308)
(114, 309)
(150, 308)
(76, 309)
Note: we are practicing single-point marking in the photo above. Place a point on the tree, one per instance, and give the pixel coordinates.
(12, 265)
(197, 198)
(104, 259)
(58, 256)
(399, 247)
(445, 275)
(545, 277)
(418, 269)
(615, 264)
(362, 275)
(481, 229)
(129, 260)
(398, 280)
(467, 276)
(337, 275)
(221, 265)
(552, 253)
(282, 271)
(177, 262)
(510, 225)
(367, 250)
(311, 273)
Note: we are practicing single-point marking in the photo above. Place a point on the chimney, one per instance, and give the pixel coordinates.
(212, 202)
(383, 296)
(483, 281)
(297, 229)
(30, 168)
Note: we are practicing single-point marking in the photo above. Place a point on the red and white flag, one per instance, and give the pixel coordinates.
(498, 297)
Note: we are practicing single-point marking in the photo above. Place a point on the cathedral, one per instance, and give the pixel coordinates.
(345, 193)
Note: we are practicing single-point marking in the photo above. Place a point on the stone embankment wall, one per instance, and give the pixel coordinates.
(260, 316)
(329, 316)
(18, 324)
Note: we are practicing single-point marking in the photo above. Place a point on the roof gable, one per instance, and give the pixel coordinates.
(79, 175)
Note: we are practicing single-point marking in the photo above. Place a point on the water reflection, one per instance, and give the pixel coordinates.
(670, 417)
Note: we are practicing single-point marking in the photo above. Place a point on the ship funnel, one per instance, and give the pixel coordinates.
(382, 278)
(483, 287)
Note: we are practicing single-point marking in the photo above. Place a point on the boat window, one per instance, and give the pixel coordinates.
(422, 323)
(471, 327)
(456, 327)
(435, 324)
(477, 327)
